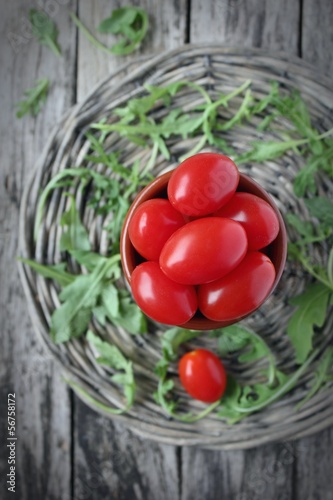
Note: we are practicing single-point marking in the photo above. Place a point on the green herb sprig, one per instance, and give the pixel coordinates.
(45, 30)
(34, 100)
(130, 24)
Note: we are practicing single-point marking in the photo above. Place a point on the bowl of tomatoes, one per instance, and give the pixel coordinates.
(203, 245)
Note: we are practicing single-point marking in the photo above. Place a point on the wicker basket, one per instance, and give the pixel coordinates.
(219, 70)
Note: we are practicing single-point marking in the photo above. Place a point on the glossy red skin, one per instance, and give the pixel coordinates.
(203, 250)
(202, 375)
(161, 298)
(202, 184)
(240, 292)
(151, 225)
(256, 216)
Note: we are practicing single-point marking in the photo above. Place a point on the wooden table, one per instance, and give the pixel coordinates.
(65, 450)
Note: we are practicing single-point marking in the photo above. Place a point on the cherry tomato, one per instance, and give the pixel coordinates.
(203, 250)
(240, 292)
(202, 183)
(256, 216)
(151, 225)
(202, 375)
(161, 298)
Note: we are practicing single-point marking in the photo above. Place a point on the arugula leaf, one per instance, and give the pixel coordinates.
(311, 311)
(55, 182)
(111, 355)
(44, 30)
(322, 375)
(236, 337)
(76, 237)
(35, 98)
(321, 208)
(56, 272)
(173, 338)
(90, 260)
(131, 23)
(229, 402)
(79, 298)
(241, 401)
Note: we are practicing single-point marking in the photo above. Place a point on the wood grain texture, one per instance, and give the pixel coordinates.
(247, 23)
(262, 472)
(110, 462)
(313, 478)
(317, 34)
(167, 29)
(43, 468)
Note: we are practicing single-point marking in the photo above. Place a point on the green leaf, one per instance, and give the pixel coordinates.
(90, 259)
(111, 355)
(311, 311)
(251, 346)
(322, 375)
(231, 339)
(321, 208)
(54, 183)
(110, 300)
(229, 401)
(75, 236)
(304, 228)
(305, 181)
(35, 98)
(258, 394)
(173, 338)
(130, 24)
(56, 272)
(130, 315)
(79, 299)
(269, 150)
(44, 30)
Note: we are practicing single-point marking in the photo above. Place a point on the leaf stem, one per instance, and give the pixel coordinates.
(88, 35)
(283, 389)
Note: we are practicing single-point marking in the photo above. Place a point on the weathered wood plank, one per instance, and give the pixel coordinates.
(43, 468)
(111, 462)
(313, 476)
(317, 34)
(254, 23)
(263, 472)
(124, 466)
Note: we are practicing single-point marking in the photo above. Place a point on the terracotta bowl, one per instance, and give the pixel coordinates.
(277, 250)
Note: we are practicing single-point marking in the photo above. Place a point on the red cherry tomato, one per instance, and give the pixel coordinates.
(240, 292)
(203, 250)
(256, 216)
(160, 298)
(202, 375)
(202, 183)
(151, 225)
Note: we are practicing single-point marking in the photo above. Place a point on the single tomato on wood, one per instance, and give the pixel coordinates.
(202, 375)
(202, 184)
(160, 298)
(151, 225)
(240, 292)
(256, 216)
(203, 250)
